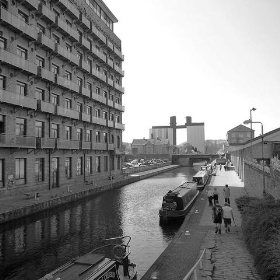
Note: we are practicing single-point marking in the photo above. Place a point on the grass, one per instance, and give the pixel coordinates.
(261, 229)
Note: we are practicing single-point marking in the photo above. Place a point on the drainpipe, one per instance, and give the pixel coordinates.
(49, 169)
(84, 167)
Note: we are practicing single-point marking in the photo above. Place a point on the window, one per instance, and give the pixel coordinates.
(79, 55)
(56, 39)
(68, 167)
(97, 90)
(89, 86)
(105, 94)
(20, 170)
(21, 88)
(119, 162)
(97, 113)
(39, 129)
(118, 119)
(111, 77)
(68, 23)
(2, 82)
(3, 43)
(105, 163)
(98, 164)
(105, 73)
(68, 75)
(105, 115)
(20, 126)
(112, 139)
(55, 69)
(89, 62)
(22, 52)
(240, 135)
(111, 117)
(80, 33)
(40, 61)
(40, 94)
(118, 100)
(54, 99)
(105, 54)
(68, 132)
(112, 163)
(97, 67)
(39, 170)
(4, 4)
(68, 103)
(88, 135)
(80, 166)
(41, 28)
(118, 142)
(105, 137)
(23, 16)
(79, 107)
(97, 136)
(79, 134)
(57, 14)
(1, 173)
(2, 124)
(79, 82)
(97, 47)
(89, 110)
(54, 130)
(68, 47)
(89, 165)
(111, 96)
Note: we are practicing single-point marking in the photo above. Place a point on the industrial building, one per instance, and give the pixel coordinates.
(60, 94)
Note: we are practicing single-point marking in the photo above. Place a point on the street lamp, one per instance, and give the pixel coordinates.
(250, 121)
(253, 109)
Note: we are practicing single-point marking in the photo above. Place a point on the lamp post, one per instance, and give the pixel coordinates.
(250, 121)
(253, 109)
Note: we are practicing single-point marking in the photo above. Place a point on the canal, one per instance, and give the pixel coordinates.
(33, 246)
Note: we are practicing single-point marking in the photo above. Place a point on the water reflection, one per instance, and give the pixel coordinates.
(32, 247)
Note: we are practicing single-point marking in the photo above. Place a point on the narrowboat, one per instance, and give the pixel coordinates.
(176, 203)
(106, 262)
(201, 178)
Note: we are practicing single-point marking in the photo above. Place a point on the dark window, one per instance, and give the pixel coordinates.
(4, 4)
(105, 163)
(79, 81)
(68, 104)
(68, 167)
(68, 47)
(79, 107)
(41, 28)
(57, 14)
(23, 16)
(97, 136)
(54, 99)
(55, 38)
(40, 61)
(68, 132)
(55, 69)
(68, 75)
(20, 172)
(21, 88)
(80, 166)
(79, 134)
(40, 94)
(2, 124)
(89, 165)
(88, 135)
(3, 43)
(22, 52)
(39, 129)
(98, 164)
(2, 82)
(39, 169)
(20, 126)
(54, 130)
(105, 137)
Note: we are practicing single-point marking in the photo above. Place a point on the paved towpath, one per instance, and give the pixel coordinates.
(229, 256)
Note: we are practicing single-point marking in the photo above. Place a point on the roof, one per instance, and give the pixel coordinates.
(140, 141)
(240, 127)
(144, 142)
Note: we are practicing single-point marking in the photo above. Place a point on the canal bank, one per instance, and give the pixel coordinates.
(21, 205)
(226, 255)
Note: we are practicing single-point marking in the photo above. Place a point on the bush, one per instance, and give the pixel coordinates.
(261, 229)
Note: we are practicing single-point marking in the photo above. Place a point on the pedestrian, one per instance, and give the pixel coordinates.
(215, 195)
(220, 167)
(217, 214)
(210, 194)
(226, 191)
(225, 167)
(227, 216)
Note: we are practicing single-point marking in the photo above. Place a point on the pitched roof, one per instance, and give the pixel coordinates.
(241, 127)
(140, 141)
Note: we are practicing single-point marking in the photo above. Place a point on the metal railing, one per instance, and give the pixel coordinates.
(195, 267)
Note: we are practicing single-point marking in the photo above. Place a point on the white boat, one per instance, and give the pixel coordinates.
(201, 177)
(106, 262)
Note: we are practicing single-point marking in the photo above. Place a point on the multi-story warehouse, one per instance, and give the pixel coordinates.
(60, 93)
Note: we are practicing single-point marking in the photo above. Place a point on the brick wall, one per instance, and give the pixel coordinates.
(254, 185)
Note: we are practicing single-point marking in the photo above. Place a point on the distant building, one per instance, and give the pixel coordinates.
(239, 134)
(151, 147)
(195, 133)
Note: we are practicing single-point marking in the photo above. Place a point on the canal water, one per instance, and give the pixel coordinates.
(33, 246)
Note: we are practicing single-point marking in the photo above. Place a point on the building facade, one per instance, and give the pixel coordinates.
(60, 93)
(151, 147)
(239, 134)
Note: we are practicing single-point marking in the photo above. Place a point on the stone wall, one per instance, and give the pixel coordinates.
(254, 183)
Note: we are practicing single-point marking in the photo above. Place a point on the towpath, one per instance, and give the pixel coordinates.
(230, 259)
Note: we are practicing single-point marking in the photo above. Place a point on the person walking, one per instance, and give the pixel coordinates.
(217, 214)
(215, 195)
(226, 192)
(227, 216)
(210, 194)
(220, 167)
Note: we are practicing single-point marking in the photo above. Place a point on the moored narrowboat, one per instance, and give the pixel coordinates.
(201, 178)
(176, 203)
(106, 262)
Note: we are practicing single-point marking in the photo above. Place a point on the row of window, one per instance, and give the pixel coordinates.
(39, 170)
(21, 128)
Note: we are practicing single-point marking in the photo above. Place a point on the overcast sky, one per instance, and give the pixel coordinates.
(212, 60)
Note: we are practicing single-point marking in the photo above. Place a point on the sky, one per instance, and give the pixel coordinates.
(213, 60)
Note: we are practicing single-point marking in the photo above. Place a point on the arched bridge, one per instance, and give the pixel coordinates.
(189, 159)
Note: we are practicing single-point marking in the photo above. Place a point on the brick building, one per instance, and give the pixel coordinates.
(60, 93)
(239, 134)
(146, 147)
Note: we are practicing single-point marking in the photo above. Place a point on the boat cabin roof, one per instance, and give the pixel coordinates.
(91, 264)
(200, 174)
(181, 190)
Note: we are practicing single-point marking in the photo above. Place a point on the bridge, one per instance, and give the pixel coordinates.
(189, 159)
